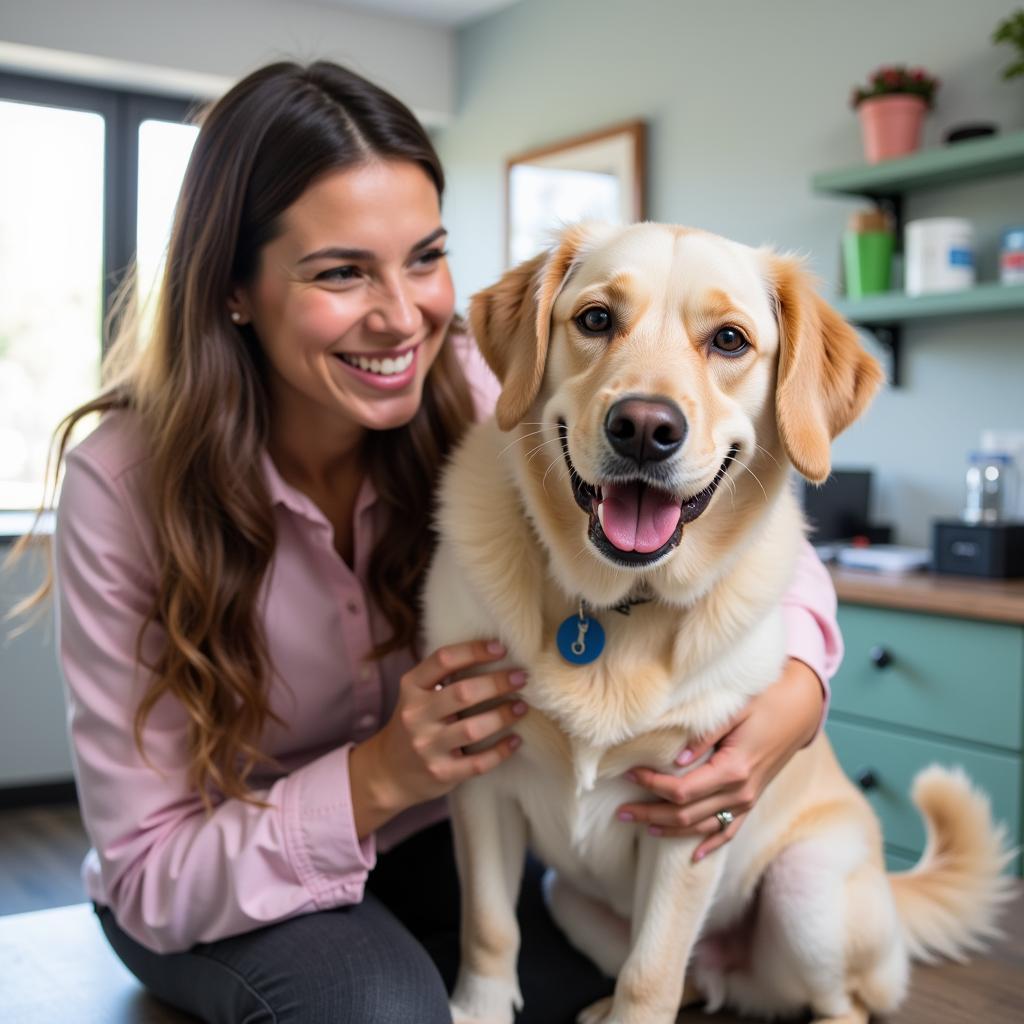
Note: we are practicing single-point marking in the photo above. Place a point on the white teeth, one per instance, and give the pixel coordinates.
(600, 514)
(382, 367)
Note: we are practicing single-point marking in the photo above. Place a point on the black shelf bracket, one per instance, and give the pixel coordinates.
(889, 337)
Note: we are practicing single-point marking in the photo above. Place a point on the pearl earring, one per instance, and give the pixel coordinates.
(236, 317)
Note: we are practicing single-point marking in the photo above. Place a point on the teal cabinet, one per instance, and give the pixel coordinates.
(917, 689)
(954, 677)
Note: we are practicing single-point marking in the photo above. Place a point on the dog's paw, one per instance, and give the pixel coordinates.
(597, 1013)
(480, 1000)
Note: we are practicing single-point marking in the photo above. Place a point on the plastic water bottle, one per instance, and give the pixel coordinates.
(990, 487)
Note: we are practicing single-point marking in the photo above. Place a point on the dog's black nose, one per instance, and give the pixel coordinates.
(645, 429)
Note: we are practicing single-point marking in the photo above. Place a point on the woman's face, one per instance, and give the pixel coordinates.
(352, 299)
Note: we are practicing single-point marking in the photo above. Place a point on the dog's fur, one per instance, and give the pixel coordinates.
(802, 887)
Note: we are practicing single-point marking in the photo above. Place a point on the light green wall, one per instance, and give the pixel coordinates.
(744, 100)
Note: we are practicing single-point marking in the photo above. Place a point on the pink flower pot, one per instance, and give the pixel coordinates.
(891, 125)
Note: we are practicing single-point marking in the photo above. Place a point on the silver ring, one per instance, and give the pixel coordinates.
(725, 819)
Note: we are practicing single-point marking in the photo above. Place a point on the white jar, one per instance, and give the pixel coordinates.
(939, 255)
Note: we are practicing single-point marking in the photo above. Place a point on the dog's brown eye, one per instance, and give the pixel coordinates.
(730, 341)
(596, 320)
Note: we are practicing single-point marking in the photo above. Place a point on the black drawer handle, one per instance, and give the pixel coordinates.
(880, 656)
(866, 779)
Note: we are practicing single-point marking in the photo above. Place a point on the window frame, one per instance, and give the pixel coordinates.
(123, 112)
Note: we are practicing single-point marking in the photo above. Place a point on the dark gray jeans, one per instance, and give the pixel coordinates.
(387, 960)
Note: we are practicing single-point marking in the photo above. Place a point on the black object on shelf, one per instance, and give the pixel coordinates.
(963, 132)
(992, 550)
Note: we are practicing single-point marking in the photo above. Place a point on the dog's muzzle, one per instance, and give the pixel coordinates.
(633, 522)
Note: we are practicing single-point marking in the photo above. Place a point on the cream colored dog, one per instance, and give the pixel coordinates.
(658, 383)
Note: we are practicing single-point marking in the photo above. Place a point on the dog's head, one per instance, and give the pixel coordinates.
(663, 365)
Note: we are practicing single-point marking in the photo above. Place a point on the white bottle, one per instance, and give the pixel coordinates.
(939, 255)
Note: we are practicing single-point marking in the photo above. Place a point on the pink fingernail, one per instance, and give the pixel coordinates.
(699, 855)
(496, 647)
(519, 708)
(685, 757)
(631, 775)
(517, 678)
(625, 816)
(654, 830)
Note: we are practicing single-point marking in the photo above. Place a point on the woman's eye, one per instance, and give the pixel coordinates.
(730, 341)
(338, 274)
(596, 320)
(431, 256)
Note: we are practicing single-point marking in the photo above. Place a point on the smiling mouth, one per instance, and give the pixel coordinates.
(390, 365)
(633, 522)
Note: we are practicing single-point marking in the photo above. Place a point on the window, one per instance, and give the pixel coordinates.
(89, 178)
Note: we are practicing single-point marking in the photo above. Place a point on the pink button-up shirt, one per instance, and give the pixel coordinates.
(172, 874)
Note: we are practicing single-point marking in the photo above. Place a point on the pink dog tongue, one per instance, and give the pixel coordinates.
(638, 517)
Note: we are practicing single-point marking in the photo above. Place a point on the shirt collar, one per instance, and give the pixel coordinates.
(283, 493)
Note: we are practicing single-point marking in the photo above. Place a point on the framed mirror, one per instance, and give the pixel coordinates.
(598, 176)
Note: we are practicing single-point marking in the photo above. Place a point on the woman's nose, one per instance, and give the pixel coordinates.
(395, 311)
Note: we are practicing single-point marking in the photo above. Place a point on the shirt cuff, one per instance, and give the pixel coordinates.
(805, 642)
(329, 858)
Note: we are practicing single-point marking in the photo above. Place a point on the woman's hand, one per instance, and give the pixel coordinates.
(419, 754)
(749, 752)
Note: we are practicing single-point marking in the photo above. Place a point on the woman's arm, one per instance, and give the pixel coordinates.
(172, 874)
(751, 749)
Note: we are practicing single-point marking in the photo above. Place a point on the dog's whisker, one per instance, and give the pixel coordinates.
(743, 465)
(765, 451)
(544, 479)
(730, 483)
(530, 455)
(522, 437)
(582, 551)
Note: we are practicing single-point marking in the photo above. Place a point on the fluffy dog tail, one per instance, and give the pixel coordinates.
(948, 903)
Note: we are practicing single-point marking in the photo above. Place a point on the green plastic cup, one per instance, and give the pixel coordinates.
(867, 259)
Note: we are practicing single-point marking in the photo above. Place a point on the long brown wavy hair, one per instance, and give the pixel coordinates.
(198, 388)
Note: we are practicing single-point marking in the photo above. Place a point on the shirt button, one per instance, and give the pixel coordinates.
(367, 722)
(353, 608)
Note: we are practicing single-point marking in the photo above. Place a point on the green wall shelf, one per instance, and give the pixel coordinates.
(930, 168)
(886, 184)
(896, 307)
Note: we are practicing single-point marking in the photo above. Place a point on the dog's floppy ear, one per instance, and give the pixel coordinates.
(511, 322)
(825, 378)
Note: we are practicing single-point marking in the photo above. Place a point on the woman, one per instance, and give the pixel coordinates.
(260, 751)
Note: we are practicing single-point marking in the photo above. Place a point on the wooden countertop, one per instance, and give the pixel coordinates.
(963, 596)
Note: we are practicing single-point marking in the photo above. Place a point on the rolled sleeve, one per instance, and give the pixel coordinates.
(330, 859)
(812, 629)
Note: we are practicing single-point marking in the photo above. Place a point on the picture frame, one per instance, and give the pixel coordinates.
(597, 176)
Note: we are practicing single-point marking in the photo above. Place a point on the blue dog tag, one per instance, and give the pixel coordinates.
(580, 640)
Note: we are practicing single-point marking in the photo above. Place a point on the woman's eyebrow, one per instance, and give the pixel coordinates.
(337, 253)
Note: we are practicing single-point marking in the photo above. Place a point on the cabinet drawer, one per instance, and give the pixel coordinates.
(953, 676)
(894, 759)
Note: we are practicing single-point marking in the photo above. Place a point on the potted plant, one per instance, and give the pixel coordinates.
(891, 108)
(1011, 30)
